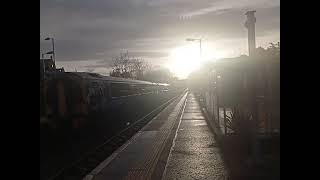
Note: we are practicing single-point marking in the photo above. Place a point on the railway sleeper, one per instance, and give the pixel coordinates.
(100, 154)
(106, 149)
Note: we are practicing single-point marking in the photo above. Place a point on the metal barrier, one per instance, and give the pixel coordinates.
(244, 98)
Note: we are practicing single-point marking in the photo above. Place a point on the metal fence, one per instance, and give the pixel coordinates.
(239, 98)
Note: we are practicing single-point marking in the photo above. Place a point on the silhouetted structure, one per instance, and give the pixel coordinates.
(242, 97)
(48, 67)
(250, 25)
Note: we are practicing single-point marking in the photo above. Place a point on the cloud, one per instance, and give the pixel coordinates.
(226, 5)
(148, 54)
(94, 31)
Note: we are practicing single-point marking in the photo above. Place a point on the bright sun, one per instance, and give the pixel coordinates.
(184, 60)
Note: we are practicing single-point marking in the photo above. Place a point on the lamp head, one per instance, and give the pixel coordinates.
(190, 39)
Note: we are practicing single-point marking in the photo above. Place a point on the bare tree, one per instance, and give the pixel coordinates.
(272, 51)
(128, 67)
(120, 66)
(139, 67)
(162, 75)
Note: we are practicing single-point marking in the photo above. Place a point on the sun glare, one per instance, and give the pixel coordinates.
(186, 59)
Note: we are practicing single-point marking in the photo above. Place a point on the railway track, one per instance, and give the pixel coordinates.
(89, 161)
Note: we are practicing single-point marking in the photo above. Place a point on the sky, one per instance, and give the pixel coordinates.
(89, 33)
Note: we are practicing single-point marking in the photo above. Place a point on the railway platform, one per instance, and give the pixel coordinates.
(176, 144)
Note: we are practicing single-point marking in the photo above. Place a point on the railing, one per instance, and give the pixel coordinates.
(235, 108)
(265, 115)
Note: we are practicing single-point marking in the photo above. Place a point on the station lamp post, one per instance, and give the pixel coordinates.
(192, 39)
(43, 64)
(52, 41)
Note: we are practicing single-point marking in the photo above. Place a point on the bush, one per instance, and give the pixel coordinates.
(242, 124)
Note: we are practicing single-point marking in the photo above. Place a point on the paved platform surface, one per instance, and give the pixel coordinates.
(177, 144)
(195, 154)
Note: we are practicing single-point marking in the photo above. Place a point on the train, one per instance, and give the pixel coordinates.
(69, 99)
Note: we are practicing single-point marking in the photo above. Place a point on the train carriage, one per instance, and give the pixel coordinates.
(73, 97)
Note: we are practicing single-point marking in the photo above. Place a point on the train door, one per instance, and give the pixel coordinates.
(106, 94)
(56, 104)
(78, 105)
(52, 104)
(62, 108)
(95, 97)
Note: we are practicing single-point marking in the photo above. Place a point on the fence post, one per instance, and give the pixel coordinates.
(217, 92)
(225, 120)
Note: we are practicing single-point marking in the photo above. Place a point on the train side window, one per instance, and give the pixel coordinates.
(119, 89)
(76, 95)
(115, 90)
(106, 90)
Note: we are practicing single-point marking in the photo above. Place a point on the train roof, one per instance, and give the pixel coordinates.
(95, 76)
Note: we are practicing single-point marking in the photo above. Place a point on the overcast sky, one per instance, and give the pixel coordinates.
(88, 33)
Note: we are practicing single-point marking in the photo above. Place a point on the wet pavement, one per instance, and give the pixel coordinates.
(195, 154)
